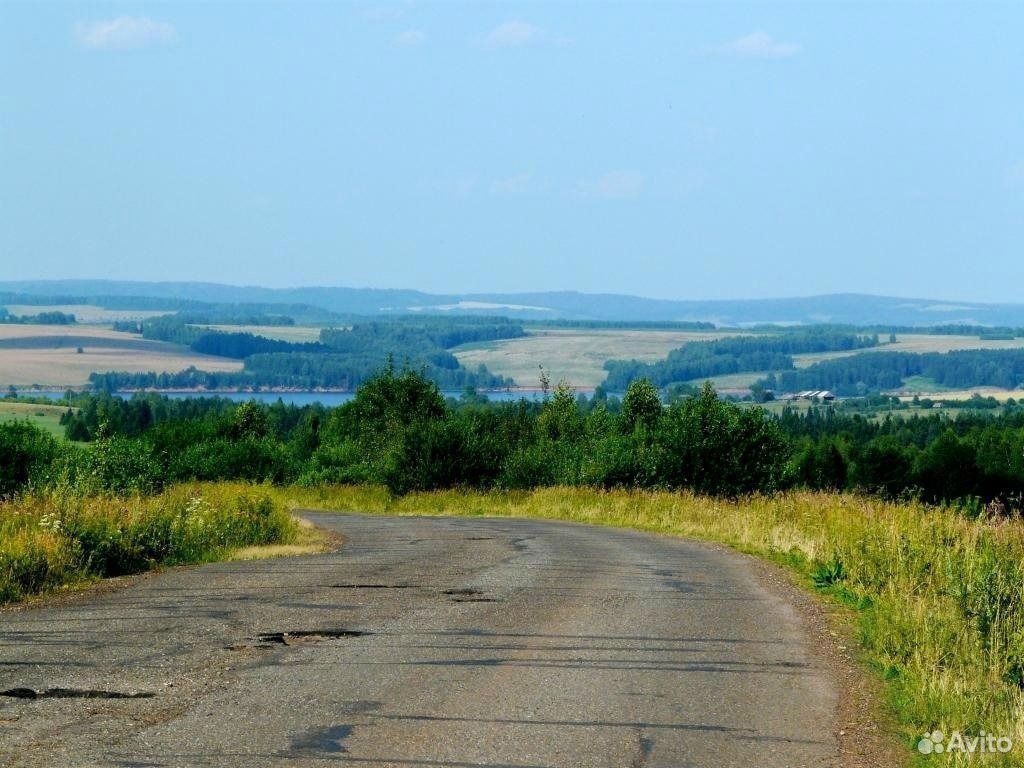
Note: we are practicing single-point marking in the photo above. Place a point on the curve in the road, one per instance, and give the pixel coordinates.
(469, 642)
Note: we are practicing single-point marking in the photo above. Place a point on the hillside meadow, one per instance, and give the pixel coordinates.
(44, 416)
(575, 355)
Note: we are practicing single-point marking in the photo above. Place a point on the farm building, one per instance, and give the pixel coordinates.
(823, 395)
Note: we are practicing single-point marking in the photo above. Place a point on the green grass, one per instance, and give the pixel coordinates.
(293, 333)
(938, 598)
(922, 384)
(45, 416)
(731, 380)
(52, 541)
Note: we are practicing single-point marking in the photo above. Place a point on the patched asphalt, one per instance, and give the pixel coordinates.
(466, 642)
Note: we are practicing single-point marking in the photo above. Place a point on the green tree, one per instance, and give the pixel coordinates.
(641, 406)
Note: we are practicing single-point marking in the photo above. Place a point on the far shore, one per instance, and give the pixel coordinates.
(78, 390)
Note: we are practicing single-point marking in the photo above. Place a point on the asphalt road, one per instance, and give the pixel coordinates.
(463, 642)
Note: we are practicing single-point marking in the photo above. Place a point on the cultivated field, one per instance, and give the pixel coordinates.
(576, 355)
(47, 355)
(294, 333)
(85, 313)
(916, 342)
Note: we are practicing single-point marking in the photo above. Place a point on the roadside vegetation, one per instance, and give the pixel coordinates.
(51, 540)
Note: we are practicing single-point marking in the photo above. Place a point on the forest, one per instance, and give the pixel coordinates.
(858, 374)
(342, 359)
(401, 432)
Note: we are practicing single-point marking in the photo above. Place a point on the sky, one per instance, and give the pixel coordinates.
(678, 150)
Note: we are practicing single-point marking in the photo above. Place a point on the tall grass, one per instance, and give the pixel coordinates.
(939, 597)
(51, 540)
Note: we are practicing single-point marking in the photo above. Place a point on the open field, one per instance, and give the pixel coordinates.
(47, 355)
(935, 594)
(872, 414)
(45, 416)
(916, 342)
(576, 355)
(921, 387)
(294, 333)
(85, 313)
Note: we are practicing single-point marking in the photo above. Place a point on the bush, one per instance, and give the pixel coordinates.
(25, 451)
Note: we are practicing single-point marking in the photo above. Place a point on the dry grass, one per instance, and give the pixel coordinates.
(308, 540)
(915, 342)
(965, 394)
(939, 598)
(576, 355)
(47, 355)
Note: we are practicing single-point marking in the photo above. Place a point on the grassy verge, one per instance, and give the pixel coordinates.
(938, 598)
(52, 541)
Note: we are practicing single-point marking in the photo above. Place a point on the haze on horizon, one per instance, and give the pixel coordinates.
(685, 151)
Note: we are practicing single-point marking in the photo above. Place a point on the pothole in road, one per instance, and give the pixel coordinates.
(468, 595)
(329, 739)
(373, 586)
(308, 635)
(72, 693)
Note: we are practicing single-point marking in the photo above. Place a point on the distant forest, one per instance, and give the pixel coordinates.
(342, 359)
(860, 374)
(43, 318)
(704, 359)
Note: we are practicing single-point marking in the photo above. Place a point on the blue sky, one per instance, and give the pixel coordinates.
(676, 151)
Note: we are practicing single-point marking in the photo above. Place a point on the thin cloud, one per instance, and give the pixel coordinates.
(759, 45)
(410, 38)
(619, 185)
(513, 34)
(518, 184)
(123, 33)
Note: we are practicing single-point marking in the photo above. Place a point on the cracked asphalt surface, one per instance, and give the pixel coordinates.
(469, 642)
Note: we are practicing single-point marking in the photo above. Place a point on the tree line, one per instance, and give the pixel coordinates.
(399, 431)
(871, 372)
(704, 359)
(43, 318)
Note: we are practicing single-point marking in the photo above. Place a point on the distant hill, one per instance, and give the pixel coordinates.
(856, 309)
